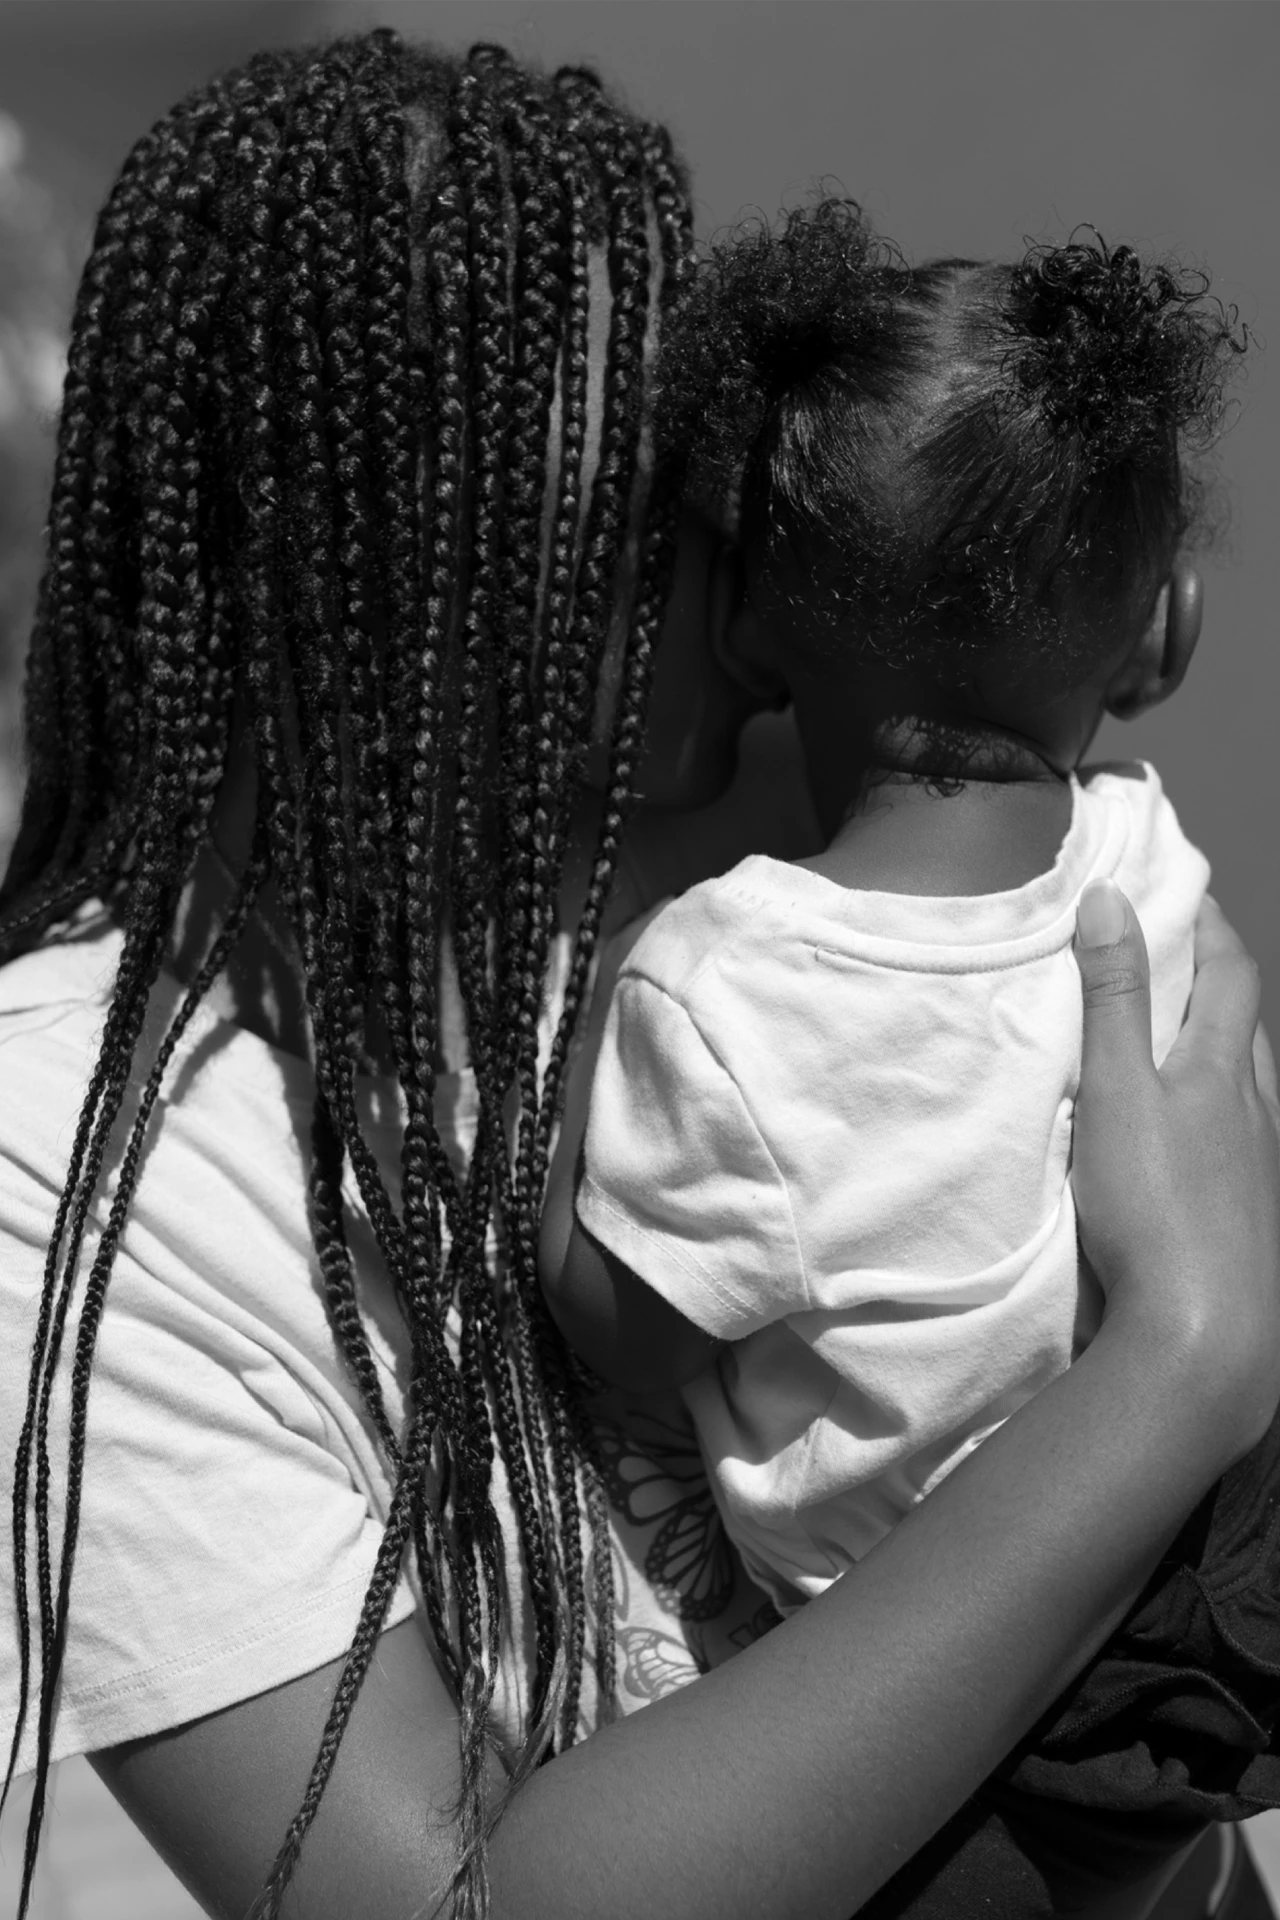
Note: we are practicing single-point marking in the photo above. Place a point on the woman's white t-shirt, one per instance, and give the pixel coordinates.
(234, 1496)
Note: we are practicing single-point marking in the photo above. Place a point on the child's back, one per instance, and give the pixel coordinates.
(833, 1127)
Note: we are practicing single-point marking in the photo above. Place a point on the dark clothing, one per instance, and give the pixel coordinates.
(1174, 1725)
(1208, 1885)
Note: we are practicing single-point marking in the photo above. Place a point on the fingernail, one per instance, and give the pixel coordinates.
(1100, 917)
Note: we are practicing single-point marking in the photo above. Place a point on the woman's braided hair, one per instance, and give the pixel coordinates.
(307, 462)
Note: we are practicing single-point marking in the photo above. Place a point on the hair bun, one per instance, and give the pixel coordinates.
(768, 310)
(1124, 354)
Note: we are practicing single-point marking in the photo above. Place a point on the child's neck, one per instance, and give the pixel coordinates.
(990, 837)
(896, 824)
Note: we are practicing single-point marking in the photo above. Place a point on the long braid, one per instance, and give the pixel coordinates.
(388, 403)
(86, 1338)
(550, 749)
(58, 642)
(445, 294)
(426, 841)
(474, 116)
(485, 197)
(170, 636)
(336, 1005)
(557, 305)
(324, 912)
(537, 303)
(304, 468)
(102, 1100)
(263, 610)
(167, 547)
(342, 407)
(655, 573)
(477, 112)
(615, 154)
(620, 442)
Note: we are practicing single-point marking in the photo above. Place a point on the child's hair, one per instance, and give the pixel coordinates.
(936, 464)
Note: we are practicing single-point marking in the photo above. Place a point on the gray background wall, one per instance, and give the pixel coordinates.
(963, 125)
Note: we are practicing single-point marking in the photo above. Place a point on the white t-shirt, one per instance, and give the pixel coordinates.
(234, 1497)
(834, 1128)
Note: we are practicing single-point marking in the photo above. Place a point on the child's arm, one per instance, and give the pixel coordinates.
(624, 1330)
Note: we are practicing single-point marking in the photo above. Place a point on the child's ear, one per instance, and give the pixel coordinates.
(738, 640)
(1158, 664)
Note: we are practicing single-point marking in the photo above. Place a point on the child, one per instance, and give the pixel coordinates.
(824, 1184)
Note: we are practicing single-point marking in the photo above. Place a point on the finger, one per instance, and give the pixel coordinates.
(1112, 957)
(1226, 994)
(1264, 1071)
(1214, 933)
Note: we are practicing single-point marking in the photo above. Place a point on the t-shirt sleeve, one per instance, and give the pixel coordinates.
(223, 1548)
(225, 1540)
(679, 1182)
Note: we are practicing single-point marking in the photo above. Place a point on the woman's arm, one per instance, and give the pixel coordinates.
(791, 1782)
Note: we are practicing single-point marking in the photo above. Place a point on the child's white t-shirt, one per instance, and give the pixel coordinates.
(834, 1128)
(235, 1495)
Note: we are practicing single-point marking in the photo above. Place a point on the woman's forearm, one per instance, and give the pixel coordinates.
(792, 1782)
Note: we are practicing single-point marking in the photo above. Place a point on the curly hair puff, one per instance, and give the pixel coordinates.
(938, 464)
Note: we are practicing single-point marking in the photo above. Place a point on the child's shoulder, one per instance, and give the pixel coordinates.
(1157, 863)
(1120, 775)
(723, 920)
(1136, 788)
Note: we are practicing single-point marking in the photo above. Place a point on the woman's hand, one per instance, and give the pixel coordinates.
(1176, 1173)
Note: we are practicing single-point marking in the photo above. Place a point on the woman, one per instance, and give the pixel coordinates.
(357, 566)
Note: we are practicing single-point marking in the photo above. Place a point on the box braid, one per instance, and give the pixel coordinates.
(171, 606)
(671, 207)
(551, 337)
(303, 459)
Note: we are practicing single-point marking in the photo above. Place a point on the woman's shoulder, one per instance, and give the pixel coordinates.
(73, 969)
(220, 1408)
(219, 1212)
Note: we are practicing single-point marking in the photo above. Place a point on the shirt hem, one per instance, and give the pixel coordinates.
(159, 1698)
(729, 1318)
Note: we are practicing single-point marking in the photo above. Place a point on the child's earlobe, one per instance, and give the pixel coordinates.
(1158, 664)
(1183, 622)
